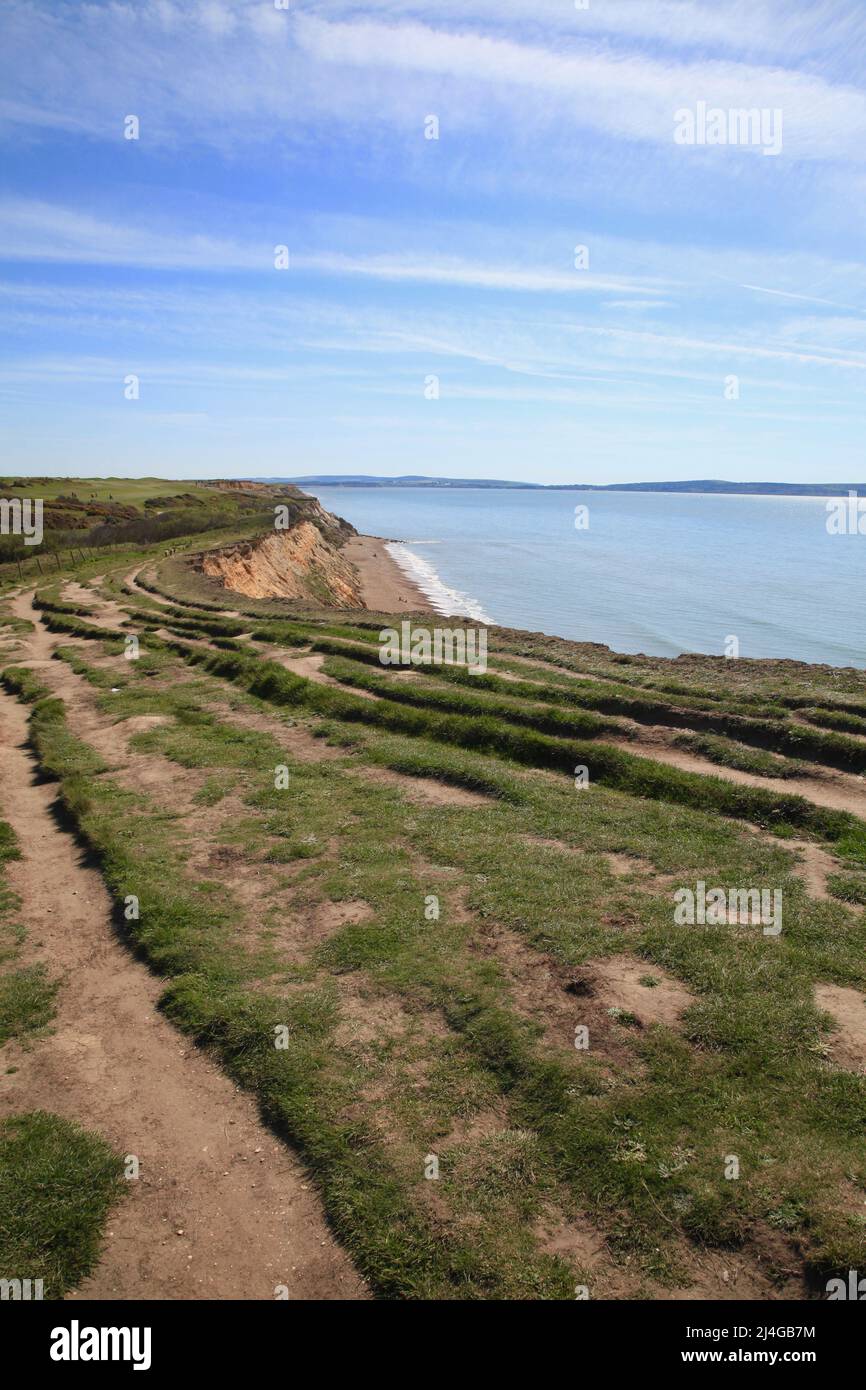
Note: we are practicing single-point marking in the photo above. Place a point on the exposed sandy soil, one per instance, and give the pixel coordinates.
(132, 580)
(221, 1208)
(370, 1014)
(424, 789)
(106, 613)
(384, 586)
(310, 667)
(848, 1009)
(708, 1274)
(617, 981)
(286, 564)
(814, 866)
(558, 999)
(73, 592)
(837, 790)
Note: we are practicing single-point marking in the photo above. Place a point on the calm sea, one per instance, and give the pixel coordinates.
(660, 574)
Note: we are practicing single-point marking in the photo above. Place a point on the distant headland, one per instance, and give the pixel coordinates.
(710, 485)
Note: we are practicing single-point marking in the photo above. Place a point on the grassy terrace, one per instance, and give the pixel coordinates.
(396, 877)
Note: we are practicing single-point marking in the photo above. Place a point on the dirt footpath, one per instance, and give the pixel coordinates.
(221, 1209)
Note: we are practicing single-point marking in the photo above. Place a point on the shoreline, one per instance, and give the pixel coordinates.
(394, 579)
(385, 588)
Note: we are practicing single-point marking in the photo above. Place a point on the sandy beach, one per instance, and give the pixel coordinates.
(384, 586)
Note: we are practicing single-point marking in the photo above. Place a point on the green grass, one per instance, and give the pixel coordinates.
(26, 991)
(850, 888)
(18, 627)
(729, 754)
(845, 720)
(9, 847)
(187, 934)
(58, 1183)
(182, 623)
(59, 752)
(20, 681)
(128, 491)
(771, 733)
(427, 695)
(26, 1001)
(94, 675)
(611, 767)
(77, 627)
(751, 1046)
(11, 931)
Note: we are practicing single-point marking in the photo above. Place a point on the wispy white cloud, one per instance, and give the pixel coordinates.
(450, 271)
(789, 294)
(237, 73)
(729, 349)
(261, 126)
(631, 95)
(37, 232)
(741, 26)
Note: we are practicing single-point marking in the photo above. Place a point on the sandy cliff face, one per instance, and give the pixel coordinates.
(299, 563)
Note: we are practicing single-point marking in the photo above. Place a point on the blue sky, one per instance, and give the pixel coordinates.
(412, 258)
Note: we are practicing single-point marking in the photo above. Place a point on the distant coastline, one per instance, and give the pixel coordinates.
(711, 486)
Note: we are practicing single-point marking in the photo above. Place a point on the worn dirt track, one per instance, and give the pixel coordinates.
(836, 790)
(221, 1208)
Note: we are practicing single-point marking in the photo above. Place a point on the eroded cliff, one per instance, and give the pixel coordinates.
(300, 563)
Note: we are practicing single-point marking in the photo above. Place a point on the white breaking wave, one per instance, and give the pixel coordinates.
(449, 602)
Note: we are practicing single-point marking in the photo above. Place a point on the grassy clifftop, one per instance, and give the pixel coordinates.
(87, 516)
(511, 1068)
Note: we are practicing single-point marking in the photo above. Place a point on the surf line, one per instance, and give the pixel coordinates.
(447, 601)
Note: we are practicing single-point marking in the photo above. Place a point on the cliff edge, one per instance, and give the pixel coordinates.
(303, 561)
